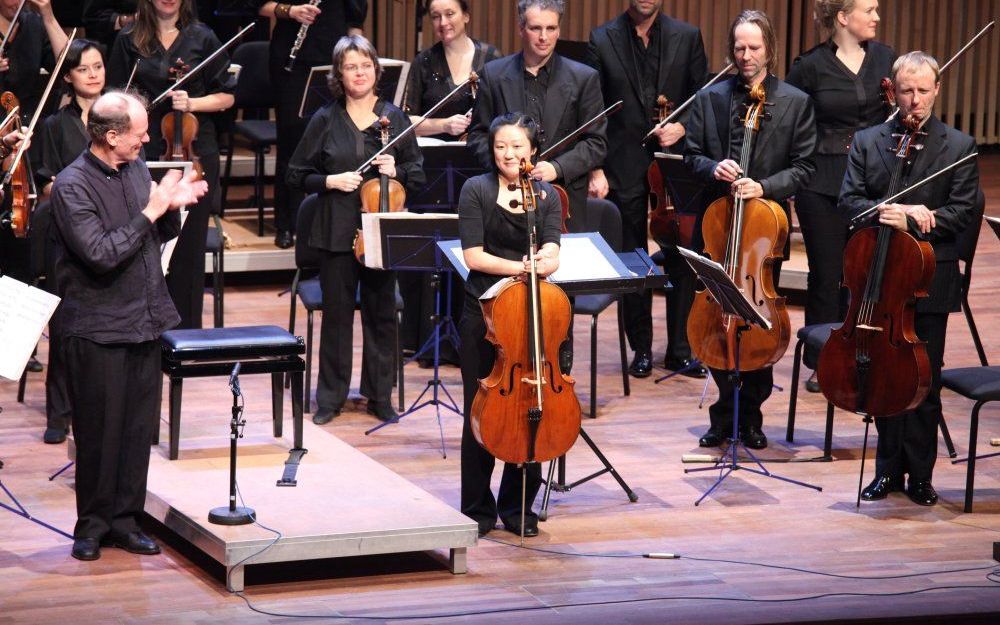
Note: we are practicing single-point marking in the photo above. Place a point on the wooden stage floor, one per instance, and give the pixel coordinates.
(586, 566)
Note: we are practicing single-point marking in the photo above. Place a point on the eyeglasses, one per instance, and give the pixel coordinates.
(351, 69)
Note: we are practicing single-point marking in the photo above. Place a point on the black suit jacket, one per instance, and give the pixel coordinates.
(683, 67)
(951, 196)
(573, 98)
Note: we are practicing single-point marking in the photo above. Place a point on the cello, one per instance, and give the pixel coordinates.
(886, 270)
(526, 409)
(747, 236)
(379, 195)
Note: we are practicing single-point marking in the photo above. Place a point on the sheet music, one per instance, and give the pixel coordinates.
(371, 232)
(579, 259)
(24, 311)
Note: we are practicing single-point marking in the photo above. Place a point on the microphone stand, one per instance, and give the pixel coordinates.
(233, 514)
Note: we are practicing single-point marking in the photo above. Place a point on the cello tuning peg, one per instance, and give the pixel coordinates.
(512, 187)
(514, 203)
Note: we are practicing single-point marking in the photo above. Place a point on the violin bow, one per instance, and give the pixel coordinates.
(10, 115)
(38, 110)
(132, 75)
(864, 215)
(555, 147)
(473, 78)
(687, 103)
(10, 29)
(198, 67)
(982, 33)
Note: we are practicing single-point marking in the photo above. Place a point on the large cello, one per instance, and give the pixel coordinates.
(526, 409)
(874, 363)
(747, 237)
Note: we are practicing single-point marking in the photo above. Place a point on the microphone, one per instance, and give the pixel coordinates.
(234, 381)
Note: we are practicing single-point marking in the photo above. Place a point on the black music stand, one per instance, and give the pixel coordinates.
(408, 242)
(734, 303)
(447, 166)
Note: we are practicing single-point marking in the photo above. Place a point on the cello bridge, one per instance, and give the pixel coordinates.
(534, 381)
(865, 326)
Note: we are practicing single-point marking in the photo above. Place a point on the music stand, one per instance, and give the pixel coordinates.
(407, 242)
(390, 86)
(735, 304)
(447, 164)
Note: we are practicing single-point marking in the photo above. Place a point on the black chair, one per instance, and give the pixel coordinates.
(253, 92)
(306, 288)
(982, 385)
(816, 335)
(604, 217)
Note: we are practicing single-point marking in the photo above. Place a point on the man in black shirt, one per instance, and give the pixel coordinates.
(640, 55)
(111, 220)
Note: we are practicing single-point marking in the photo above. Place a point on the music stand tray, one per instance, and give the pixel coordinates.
(734, 303)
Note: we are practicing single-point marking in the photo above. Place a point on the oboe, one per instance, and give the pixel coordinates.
(299, 39)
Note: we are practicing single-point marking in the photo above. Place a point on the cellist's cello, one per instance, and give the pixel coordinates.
(747, 237)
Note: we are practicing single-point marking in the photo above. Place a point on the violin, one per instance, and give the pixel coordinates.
(874, 364)
(666, 225)
(180, 129)
(747, 237)
(379, 195)
(21, 198)
(526, 409)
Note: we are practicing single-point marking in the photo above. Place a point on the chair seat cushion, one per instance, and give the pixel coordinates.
(976, 383)
(311, 294)
(229, 343)
(259, 132)
(816, 335)
(592, 304)
(213, 242)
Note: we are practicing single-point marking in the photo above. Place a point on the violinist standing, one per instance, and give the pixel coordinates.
(105, 19)
(640, 55)
(328, 22)
(340, 137)
(937, 212)
(781, 165)
(163, 32)
(842, 76)
(494, 239)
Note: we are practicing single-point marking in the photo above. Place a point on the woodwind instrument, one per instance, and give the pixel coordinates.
(299, 40)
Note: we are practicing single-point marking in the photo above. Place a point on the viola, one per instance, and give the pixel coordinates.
(379, 195)
(180, 129)
(874, 363)
(666, 226)
(20, 183)
(747, 237)
(526, 409)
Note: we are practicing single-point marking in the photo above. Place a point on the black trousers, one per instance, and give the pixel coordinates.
(115, 391)
(907, 443)
(340, 274)
(825, 232)
(186, 273)
(637, 308)
(288, 89)
(679, 302)
(477, 356)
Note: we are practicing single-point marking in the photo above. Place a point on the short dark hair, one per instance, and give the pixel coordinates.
(559, 6)
(74, 57)
(111, 115)
(767, 30)
(519, 120)
(350, 43)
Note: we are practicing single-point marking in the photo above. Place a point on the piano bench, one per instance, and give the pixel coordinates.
(215, 351)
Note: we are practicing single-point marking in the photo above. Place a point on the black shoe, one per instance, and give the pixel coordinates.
(514, 527)
(753, 437)
(284, 239)
(711, 438)
(135, 542)
(86, 548)
(812, 384)
(921, 492)
(33, 365)
(642, 365)
(382, 411)
(323, 416)
(881, 486)
(54, 436)
(686, 366)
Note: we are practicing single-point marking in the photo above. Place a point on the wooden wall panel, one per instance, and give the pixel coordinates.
(970, 94)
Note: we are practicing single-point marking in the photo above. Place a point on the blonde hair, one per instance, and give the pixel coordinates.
(826, 11)
(912, 61)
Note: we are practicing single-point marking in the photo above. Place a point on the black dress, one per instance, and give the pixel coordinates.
(482, 222)
(194, 43)
(332, 144)
(844, 102)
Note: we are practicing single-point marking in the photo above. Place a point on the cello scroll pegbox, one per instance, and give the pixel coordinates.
(473, 84)
(888, 92)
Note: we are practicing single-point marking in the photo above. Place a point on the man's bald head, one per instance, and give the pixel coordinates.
(117, 123)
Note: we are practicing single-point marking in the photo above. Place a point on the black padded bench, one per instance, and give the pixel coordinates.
(215, 351)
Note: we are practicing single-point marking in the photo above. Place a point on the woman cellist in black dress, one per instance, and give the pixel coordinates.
(493, 242)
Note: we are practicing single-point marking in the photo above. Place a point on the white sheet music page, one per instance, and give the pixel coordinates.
(24, 311)
(580, 260)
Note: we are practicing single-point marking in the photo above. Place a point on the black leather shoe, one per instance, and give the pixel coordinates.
(54, 436)
(323, 416)
(686, 366)
(921, 492)
(34, 365)
(642, 365)
(284, 239)
(382, 412)
(86, 548)
(514, 527)
(753, 437)
(812, 384)
(711, 438)
(135, 542)
(881, 486)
